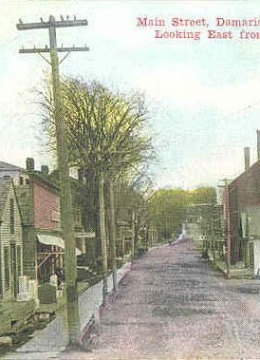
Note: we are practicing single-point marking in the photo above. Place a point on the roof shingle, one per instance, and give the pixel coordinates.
(6, 166)
(5, 183)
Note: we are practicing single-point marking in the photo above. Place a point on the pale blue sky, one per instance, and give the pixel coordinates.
(204, 95)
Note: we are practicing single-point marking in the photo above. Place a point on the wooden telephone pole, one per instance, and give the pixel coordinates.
(63, 167)
(227, 225)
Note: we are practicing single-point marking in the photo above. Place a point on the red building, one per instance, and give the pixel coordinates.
(244, 213)
(39, 203)
(46, 204)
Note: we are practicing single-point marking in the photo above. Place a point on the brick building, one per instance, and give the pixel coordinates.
(244, 214)
(39, 204)
(244, 205)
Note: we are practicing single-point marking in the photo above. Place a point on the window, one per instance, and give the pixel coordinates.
(55, 215)
(12, 216)
(7, 267)
(77, 216)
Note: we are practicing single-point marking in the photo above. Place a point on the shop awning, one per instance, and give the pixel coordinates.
(54, 241)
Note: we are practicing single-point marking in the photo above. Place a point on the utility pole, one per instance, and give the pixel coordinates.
(247, 242)
(103, 234)
(133, 236)
(212, 234)
(113, 232)
(63, 167)
(227, 225)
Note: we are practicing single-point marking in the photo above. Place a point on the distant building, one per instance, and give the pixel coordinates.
(10, 170)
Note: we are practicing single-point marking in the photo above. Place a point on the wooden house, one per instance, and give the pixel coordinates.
(11, 245)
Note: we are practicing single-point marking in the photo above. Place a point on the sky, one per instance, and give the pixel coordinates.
(203, 95)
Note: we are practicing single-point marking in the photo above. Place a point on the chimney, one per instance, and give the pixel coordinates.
(247, 157)
(258, 144)
(30, 164)
(45, 169)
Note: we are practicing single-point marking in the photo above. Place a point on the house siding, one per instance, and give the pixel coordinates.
(10, 240)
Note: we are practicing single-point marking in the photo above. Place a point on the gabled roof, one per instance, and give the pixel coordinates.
(5, 183)
(33, 174)
(6, 166)
(43, 179)
(245, 189)
(253, 170)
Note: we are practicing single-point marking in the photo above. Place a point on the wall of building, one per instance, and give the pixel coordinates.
(25, 200)
(14, 174)
(46, 208)
(244, 194)
(11, 247)
(253, 215)
(29, 252)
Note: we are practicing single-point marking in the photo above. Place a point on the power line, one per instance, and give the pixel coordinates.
(245, 108)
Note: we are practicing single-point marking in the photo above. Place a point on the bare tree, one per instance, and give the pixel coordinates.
(105, 136)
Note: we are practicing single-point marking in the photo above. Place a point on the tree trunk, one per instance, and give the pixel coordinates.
(102, 227)
(133, 236)
(113, 232)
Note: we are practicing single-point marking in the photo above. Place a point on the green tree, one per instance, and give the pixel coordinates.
(167, 209)
(202, 195)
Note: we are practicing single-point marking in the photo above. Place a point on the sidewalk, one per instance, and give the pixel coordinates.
(49, 342)
(235, 271)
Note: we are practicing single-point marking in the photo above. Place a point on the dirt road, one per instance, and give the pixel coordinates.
(173, 305)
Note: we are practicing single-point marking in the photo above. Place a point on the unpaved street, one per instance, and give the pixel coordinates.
(172, 305)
